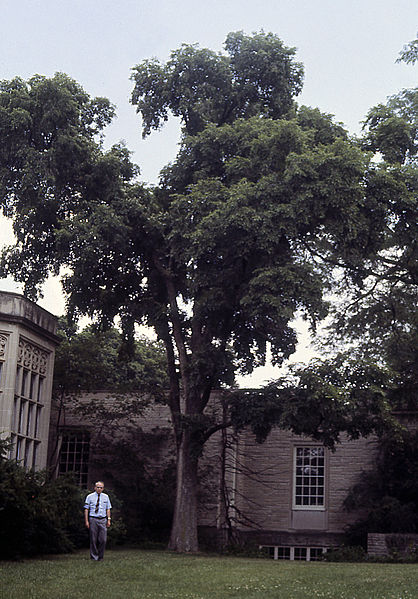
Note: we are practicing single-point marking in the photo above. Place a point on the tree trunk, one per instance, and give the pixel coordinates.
(184, 528)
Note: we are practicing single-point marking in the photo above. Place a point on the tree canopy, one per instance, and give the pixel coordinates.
(380, 317)
(103, 360)
(51, 160)
(409, 53)
(258, 75)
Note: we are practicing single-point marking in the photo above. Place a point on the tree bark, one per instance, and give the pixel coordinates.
(184, 528)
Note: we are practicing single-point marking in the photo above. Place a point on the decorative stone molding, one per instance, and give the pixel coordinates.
(32, 357)
(3, 344)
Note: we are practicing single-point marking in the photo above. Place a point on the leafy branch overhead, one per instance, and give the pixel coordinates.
(322, 401)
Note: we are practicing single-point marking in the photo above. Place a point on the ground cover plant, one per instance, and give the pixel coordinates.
(152, 574)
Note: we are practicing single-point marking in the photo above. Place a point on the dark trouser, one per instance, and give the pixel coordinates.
(98, 535)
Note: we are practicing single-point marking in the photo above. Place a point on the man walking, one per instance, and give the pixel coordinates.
(97, 519)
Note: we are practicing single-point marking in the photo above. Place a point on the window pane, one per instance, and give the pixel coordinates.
(24, 389)
(32, 386)
(283, 553)
(15, 412)
(309, 477)
(19, 448)
(74, 455)
(21, 416)
(12, 451)
(17, 382)
(37, 421)
(300, 553)
(29, 423)
(35, 454)
(316, 554)
(27, 453)
(41, 389)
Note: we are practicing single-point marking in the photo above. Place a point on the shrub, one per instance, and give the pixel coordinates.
(345, 554)
(388, 494)
(402, 546)
(36, 515)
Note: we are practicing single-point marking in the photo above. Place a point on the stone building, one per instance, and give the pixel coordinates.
(27, 347)
(285, 494)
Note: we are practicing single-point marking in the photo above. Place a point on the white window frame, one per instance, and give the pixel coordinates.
(315, 466)
(293, 553)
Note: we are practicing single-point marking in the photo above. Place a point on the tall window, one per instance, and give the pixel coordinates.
(309, 478)
(28, 403)
(74, 455)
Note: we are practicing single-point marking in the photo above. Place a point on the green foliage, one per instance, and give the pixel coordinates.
(131, 371)
(390, 129)
(37, 515)
(257, 76)
(409, 53)
(351, 553)
(264, 207)
(147, 492)
(95, 359)
(402, 546)
(380, 316)
(321, 400)
(50, 161)
(388, 493)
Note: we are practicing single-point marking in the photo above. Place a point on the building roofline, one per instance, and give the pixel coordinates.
(17, 309)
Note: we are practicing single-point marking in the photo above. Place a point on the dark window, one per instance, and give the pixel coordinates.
(74, 455)
(301, 553)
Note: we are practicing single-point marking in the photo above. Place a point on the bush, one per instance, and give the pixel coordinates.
(345, 554)
(388, 494)
(36, 515)
(402, 546)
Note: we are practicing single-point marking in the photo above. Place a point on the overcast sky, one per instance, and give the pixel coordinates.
(348, 47)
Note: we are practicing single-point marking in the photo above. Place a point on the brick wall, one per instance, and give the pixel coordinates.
(259, 482)
(264, 483)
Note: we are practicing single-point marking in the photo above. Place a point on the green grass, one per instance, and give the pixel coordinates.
(134, 574)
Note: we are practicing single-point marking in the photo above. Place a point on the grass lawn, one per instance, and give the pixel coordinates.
(134, 574)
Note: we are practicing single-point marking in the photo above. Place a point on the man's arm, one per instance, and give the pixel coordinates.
(86, 517)
(108, 517)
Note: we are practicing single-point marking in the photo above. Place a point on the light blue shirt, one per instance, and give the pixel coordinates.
(104, 504)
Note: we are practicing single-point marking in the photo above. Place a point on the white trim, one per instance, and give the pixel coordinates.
(291, 552)
(321, 474)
